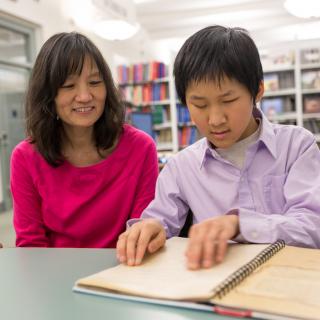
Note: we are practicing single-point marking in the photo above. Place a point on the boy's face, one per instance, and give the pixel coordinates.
(222, 114)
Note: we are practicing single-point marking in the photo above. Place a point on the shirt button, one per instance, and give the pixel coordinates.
(254, 234)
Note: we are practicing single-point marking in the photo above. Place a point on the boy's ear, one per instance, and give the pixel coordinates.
(260, 92)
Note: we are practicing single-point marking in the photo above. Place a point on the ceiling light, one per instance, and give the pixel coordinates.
(109, 19)
(303, 9)
(115, 29)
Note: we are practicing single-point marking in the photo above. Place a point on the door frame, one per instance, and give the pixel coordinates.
(29, 31)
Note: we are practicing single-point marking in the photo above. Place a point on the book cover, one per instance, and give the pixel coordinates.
(311, 104)
(276, 58)
(286, 80)
(271, 82)
(272, 106)
(310, 79)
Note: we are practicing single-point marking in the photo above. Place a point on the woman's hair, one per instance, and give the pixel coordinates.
(62, 55)
(215, 52)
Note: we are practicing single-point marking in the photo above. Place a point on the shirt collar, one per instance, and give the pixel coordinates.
(267, 137)
(206, 150)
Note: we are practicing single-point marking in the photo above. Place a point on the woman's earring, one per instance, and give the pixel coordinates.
(57, 118)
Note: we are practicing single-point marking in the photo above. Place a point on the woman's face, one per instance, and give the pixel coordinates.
(80, 101)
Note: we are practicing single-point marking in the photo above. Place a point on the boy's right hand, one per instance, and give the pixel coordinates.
(144, 235)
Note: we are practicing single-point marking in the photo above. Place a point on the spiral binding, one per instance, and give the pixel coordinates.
(238, 276)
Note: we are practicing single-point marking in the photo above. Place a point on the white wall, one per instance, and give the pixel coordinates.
(50, 17)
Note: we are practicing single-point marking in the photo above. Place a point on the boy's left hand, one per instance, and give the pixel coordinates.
(208, 240)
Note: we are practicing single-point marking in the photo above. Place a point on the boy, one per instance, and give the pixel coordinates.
(247, 180)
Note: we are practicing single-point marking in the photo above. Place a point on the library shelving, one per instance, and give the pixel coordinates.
(310, 89)
(292, 87)
(292, 95)
(187, 131)
(280, 99)
(150, 89)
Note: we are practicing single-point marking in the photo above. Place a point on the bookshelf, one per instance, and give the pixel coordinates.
(292, 87)
(310, 89)
(292, 95)
(281, 102)
(150, 89)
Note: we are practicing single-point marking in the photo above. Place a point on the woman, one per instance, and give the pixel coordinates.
(81, 173)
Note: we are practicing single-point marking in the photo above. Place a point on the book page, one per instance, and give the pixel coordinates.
(165, 275)
(288, 284)
(283, 282)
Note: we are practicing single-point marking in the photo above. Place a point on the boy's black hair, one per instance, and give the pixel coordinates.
(215, 52)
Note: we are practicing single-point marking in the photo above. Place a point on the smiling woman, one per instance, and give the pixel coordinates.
(80, 100)
(79, 104)
(79, 161)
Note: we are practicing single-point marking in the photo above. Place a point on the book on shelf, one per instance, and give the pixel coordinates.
(254, 280)
(187, 135)
(143, 121)
(310, 79)
(310, 56)
(279, 81)
(160, 91)
(271, 81)
(183, 113)
(277, 58)
(272, 106)
(141, 72)
(163, 136)
(313, 125)
(311, 104)
(161, 114)
(145, 93)
(286, 79)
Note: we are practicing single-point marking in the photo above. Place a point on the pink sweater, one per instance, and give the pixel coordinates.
(72, 206)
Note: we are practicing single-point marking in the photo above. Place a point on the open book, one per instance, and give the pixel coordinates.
(265, 281)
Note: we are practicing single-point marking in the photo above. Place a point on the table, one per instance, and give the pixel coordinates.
(36, 284)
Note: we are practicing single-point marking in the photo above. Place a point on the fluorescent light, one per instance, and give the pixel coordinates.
(115, 29)
(303, 9)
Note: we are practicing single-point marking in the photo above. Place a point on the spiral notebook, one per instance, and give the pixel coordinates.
(270, 281)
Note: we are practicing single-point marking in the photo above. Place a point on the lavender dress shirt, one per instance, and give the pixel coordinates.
(277, 192)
